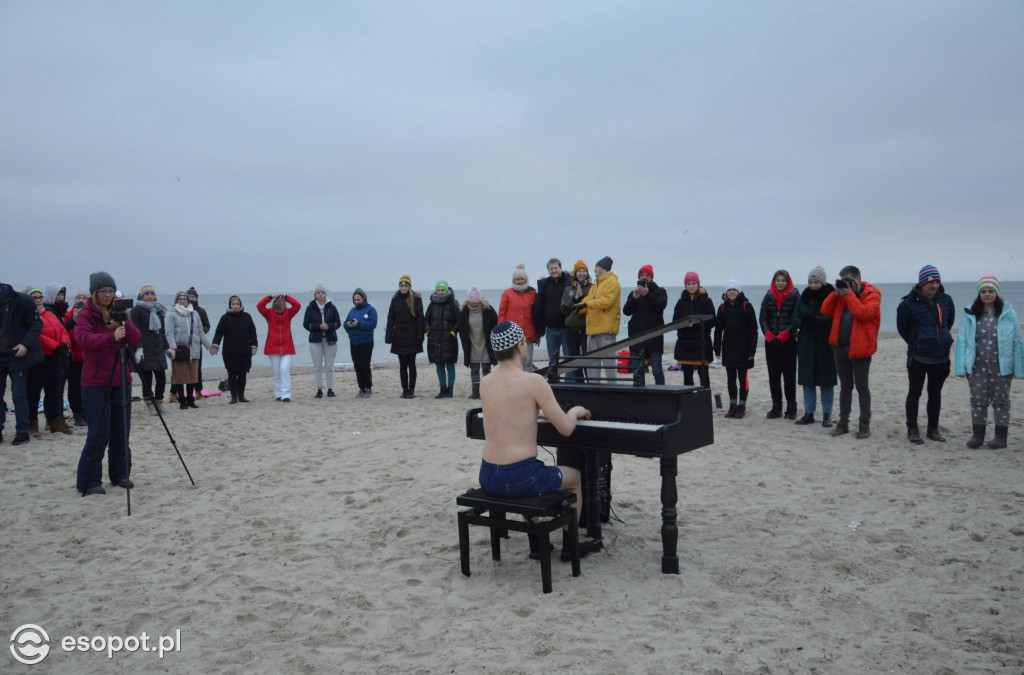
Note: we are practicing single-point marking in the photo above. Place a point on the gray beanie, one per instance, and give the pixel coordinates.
(605, 263)
(320, 287)
(98, 280)
(819, 274)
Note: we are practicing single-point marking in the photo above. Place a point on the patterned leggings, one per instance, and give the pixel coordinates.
(989, 388)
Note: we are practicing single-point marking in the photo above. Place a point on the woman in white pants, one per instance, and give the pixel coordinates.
(279, 346)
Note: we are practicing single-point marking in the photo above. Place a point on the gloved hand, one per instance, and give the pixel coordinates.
(138, 355)
(62, 349)
(769, 336)
(580, 306)
(169, 353)
(784, 336)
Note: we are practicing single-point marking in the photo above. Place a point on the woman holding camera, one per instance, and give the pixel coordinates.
(184, 331)
(108, 415)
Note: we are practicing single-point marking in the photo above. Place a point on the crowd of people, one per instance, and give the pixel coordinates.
(816, 338)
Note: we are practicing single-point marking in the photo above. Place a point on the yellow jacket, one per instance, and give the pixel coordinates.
(602, 308)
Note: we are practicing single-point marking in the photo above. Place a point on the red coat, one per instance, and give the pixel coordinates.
(279, 326)
(98, 344)
(518, 307)
(54, 334)
(867, 318)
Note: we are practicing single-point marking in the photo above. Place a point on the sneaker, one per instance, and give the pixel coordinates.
(368, 394)
(20, 438)
(360, 394)
(319, 393)
(330, 393)
(286, 400)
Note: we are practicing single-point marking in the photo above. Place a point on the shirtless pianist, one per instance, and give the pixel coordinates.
(512, 401)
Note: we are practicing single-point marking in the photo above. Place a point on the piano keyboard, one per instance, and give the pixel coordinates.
(604, 424)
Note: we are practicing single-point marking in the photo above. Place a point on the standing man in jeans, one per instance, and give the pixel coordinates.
(855, 308)
(548, 320)
(20, 327)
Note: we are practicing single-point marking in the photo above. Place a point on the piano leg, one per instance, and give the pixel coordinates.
(669, 529)
(590, 475)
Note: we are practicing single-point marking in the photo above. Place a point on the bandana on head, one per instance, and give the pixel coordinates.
(506, 335)
(988, 282)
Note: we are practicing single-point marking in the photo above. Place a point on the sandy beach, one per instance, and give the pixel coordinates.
(320, 536)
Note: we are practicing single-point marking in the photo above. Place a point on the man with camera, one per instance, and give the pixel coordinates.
(646, 308)
(855, 308)
(20, 327)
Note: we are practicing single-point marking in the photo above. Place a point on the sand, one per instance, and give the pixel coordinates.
(320, 536)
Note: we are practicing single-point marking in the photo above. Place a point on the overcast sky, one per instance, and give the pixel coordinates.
(241, 146)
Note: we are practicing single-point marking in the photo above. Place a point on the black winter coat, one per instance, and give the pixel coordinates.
(312, 319)
(490, 321)
(547, 307)
(442, 321)
(239, 334)
(776, 319)
(925, 324)
(736, 333)
(154, 344)
(694, 344)
(404, 331)
(645, 313)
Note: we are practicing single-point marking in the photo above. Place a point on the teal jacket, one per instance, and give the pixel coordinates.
(1011, 345)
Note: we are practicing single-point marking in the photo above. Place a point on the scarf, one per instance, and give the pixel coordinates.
(521, 288)
(813, 298)
(185, 310)
(434, 297)
(236, 310)
(156, 312)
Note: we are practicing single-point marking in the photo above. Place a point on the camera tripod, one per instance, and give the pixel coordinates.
(124, 357)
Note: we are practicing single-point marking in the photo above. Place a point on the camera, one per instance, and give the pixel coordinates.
(641, 283)
(843, 283)
(120, 311)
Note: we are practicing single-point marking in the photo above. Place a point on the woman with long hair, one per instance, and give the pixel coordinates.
(279, 347)
(815, 361)
(404, 332)
(694, 347)
(108, 416)
(989, 353)
(186, 337)
(442, 322)
(238, 331)
(475, 324)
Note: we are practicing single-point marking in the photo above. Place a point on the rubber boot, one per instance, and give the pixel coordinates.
(999, 441)
(977, 438)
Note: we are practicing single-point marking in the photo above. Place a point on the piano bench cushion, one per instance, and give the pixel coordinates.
(550, 504)
(527, 478)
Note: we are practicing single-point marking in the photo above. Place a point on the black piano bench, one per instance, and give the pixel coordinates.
(555, 505)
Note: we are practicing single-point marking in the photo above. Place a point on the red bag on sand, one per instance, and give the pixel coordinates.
(624, 363)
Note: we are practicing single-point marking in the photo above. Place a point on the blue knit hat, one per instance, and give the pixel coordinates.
(927, 273)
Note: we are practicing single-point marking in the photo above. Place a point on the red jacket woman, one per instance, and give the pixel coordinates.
(279, 325)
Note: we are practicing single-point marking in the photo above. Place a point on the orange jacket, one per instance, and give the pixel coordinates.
(867, 317)
(518, 307)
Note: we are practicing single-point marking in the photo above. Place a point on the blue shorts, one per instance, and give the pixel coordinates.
(528, 478)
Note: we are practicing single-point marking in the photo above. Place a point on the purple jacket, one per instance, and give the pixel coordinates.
(97, 341)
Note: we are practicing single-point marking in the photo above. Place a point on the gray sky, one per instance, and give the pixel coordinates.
(243, 146)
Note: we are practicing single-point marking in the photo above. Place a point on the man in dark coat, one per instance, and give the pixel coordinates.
(20, 327)
(548, 319)
(646, 308)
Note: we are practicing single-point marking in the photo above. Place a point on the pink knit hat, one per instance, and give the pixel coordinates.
(474, 294)
(691, 276)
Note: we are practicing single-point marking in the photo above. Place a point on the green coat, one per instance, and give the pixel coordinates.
(816, 365)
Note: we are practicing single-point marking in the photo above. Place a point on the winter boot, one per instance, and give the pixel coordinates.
(443, 393)
(732, 411)
(776, 411)
(914, 436)
(191, 402)
(841, 428)
(790, 413)
(999, 441)
(150, 408)
(864, 430)
(476, 392)
(80, 420)
(741, 410)
(58, 426)
(978, 437)
(173, 398)
(934, 435)
(450, 392)
(826, 420)
(33, 428)
(808, 418)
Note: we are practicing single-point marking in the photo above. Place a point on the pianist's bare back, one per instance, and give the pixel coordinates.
(511, 400)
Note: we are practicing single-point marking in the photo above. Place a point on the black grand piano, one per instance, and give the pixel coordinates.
(658, 421)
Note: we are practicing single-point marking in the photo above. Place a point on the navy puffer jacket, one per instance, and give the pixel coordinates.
(925, 324)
